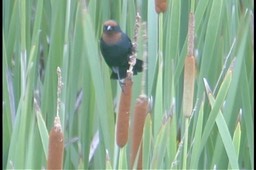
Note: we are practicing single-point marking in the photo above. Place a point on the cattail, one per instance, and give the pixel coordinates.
(141, 110)
(125, 100)
(56, 137)
(188, 87)
(56, 146)
(140, 113)
(189, 70)
(160, 6)
(191, 34)
(124, 113)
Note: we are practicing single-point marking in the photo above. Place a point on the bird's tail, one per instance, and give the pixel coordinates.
(138, 66)
(120, 72)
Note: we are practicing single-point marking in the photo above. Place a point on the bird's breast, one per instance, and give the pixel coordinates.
(115, 54)
(112, 38)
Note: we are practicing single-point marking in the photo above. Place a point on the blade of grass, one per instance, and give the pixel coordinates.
(152, 47)
(171, 49)
(197, 138)
(147, 142)
(225, 136)
(122, 164)
(214, 112)
(8, 100)
(53, 60)
(106, 120)
(159, 149)
(231, 100)
(213, 27)
(158, 106)
(44, 136)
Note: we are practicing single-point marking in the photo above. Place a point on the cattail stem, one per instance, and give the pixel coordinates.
(124, 113)
(184, 162)
(56, 137)
(125, 100)
(189, 80)
(145, 54)
(140, 113)
(133, 56)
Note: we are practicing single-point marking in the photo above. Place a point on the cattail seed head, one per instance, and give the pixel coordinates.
(160, 6)
(140, 113)
(124, 113)
(188, 87)
(56, 146)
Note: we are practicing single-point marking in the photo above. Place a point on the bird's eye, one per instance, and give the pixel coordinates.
(109, 28)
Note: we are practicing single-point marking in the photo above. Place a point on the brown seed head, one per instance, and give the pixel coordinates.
(160, 6)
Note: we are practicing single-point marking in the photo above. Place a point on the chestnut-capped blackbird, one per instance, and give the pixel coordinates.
(116, 47)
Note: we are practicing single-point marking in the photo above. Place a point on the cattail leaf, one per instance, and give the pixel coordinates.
(232, 100)
(242, 85)
(158, 109)
(43, 131)
(152, 46)
(54, 59)
(8, 106)
(171, 44)
(172, 111)
(226, 137)
(147, 141)
(197, 139)
(237, 137)
(247, 108)
(108, 163)
(122, 164)
(215, 108)
(35, 146)
(159, 150)
(106, 120)
(213, 25)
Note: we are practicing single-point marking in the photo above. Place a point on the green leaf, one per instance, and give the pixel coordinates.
(44, 136)
(226, 137)
(147, 142)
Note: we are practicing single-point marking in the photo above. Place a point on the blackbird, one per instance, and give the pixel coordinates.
(116, 47)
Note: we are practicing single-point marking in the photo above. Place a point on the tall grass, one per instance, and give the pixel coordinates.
(38, 36)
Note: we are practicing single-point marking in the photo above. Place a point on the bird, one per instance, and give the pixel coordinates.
(116, 48)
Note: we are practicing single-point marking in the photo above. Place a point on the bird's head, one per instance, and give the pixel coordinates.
(111, 32)
(111, 26)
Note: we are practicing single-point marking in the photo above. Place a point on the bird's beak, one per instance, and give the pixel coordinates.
(109, 28)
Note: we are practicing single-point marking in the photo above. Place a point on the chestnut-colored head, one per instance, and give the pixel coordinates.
(111, 32)
(111, 26)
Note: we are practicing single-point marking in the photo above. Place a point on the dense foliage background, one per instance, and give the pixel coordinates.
(39, 36)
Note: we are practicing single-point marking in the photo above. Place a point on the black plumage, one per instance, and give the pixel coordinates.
(116, 47)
